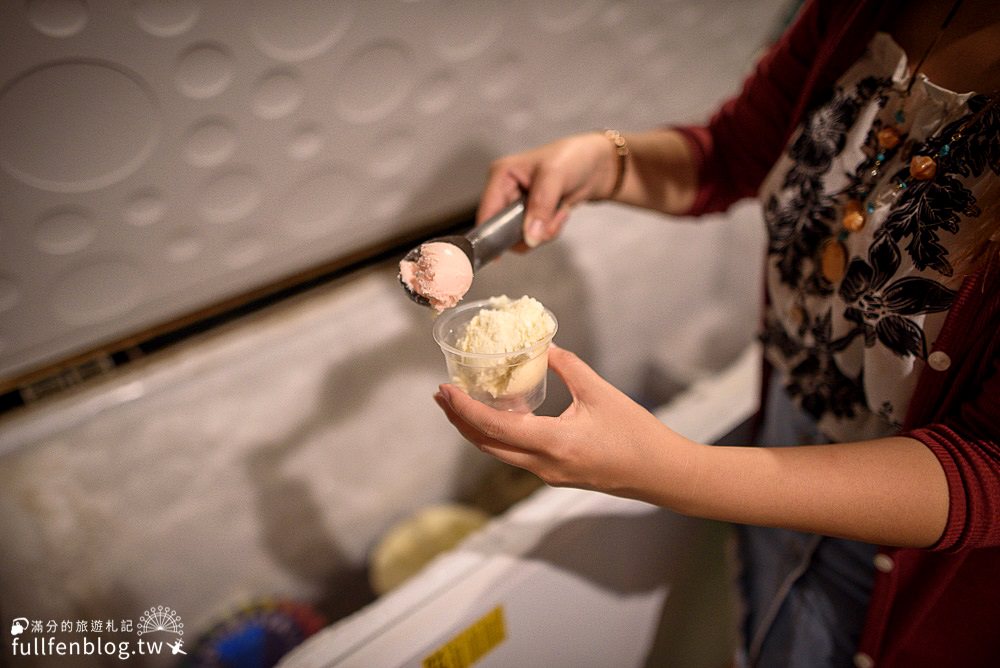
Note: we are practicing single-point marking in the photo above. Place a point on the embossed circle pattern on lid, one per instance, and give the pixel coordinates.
(306, 142)
(210, 142)
(502, 77)
(467, 29)
(196, 146)
(392, 153)
(64, 231)
(183, 245)
(166, 18)
(75, 126)
(145, 207)
(382, 76)
(97, 291)
(57, 18)
(437, 93)
(204, 70)
(277, 94)
(296, 30)
(231, 196)
(560, 16)
(570, 95)
(244, 253)
(322, 204)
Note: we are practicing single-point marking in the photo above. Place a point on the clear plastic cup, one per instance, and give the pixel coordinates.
(508, 381)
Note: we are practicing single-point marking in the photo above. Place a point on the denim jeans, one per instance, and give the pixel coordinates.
(805, 596)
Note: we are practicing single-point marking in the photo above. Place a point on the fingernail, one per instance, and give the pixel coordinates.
(445, 393)
(533, 233)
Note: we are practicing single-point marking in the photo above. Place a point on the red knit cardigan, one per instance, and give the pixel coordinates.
(940, 606)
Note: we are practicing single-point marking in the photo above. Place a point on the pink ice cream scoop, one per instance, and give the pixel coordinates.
(442, 274)
(439, 272)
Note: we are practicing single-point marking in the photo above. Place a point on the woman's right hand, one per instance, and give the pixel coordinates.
(555, 176)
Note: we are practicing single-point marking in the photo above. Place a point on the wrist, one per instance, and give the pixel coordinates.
(669, 472)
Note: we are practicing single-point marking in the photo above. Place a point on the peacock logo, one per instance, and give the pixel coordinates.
(160, 618)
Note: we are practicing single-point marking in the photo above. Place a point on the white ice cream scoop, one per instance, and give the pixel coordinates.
(435, 275)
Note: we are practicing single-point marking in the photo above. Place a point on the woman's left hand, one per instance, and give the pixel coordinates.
(603, 441)
(606, 442)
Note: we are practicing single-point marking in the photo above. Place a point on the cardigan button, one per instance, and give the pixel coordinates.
(862, 660)
(884, 563)
(939, 360)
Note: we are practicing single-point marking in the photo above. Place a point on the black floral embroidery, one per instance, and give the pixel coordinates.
(925, 209)
(823, 136)
(878, 307)
(981, 148)
(799, 222)
(795, 230)
(880, 301)
(814, 377)
(776, 337)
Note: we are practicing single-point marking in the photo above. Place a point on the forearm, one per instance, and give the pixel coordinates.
(661, 172)
(888, 491)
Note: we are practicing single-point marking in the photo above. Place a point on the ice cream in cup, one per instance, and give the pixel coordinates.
(497, 350)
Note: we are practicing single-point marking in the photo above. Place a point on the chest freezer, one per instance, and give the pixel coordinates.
(567, 577)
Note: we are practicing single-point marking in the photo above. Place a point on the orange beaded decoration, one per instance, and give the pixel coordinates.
(833, 260)
(854, 217)
(833, 253)
(923, 167)
(888, 138)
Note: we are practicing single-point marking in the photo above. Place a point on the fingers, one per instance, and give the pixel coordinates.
(496, 426)
(531, 172)
(542, 212)
(469, 432)
(502, 451)
(501, 189)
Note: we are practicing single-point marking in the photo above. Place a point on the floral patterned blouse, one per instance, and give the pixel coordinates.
(850, 347)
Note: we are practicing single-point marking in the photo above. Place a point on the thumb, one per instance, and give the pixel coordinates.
(578, 376)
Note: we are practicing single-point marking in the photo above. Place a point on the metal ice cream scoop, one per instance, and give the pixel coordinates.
(480, 244)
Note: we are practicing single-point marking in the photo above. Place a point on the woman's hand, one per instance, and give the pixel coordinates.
(604, 441)
(660, 175)
(556, 176)
(890, 491)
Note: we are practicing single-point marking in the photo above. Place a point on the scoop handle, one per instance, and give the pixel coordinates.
(498, 234)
